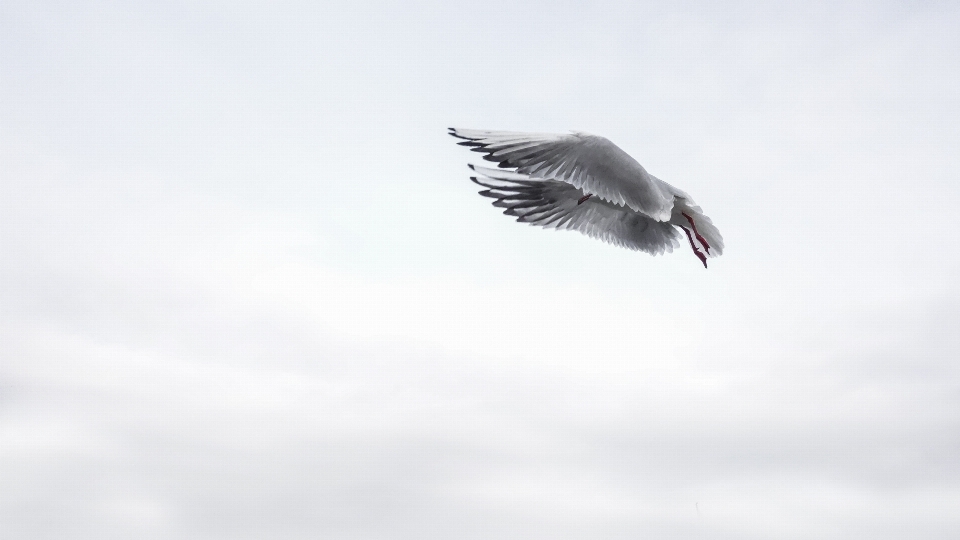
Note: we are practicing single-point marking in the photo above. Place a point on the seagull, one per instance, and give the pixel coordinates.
(583, 182)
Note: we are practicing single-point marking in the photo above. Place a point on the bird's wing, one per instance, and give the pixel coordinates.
(556, 205)
(588, 162)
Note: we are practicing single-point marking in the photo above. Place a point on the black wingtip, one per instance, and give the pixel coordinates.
(472, 168)
(478, 182)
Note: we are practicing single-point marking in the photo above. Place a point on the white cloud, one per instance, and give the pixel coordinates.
(247, 291)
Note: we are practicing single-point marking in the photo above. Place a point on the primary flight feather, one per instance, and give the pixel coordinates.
(586, 183)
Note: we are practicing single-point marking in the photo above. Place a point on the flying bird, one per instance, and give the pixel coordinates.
(584, 182)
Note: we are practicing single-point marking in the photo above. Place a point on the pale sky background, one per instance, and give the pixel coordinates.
(248, 291)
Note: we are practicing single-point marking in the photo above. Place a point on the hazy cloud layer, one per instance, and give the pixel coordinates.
(247, 291)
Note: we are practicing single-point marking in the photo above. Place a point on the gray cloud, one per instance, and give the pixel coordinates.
(246, 290)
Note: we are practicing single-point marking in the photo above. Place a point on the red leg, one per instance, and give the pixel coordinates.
(696, 232)
(584, 199)
(697, 252)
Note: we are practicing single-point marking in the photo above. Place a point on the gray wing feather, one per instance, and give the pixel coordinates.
(554, 204)
(586, 162)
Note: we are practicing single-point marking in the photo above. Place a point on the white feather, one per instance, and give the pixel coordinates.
(544, 178)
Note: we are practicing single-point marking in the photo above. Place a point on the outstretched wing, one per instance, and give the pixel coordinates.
(587, 162)
(554, 204)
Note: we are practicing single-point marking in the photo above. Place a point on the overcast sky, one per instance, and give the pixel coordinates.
(247, 290)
